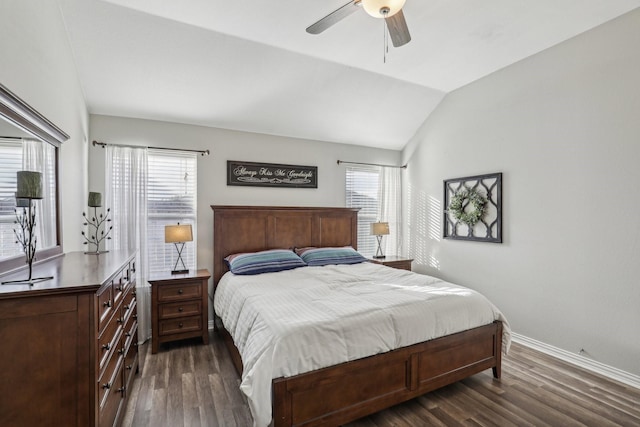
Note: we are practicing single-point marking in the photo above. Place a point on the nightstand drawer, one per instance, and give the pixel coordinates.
(179, 309)
(179, 292)
(181, 325)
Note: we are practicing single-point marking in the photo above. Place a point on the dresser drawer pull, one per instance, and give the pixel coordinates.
(180, 325)
(121, 351)
(106, 346)
(107, 303)
(135, 316)
(180, 309)
(127, 334)
(180, 291)
(126, 307)
(106, 386)
(119, 320)
(133, 293)
(121, 390)
(119, 289)
(129, 367)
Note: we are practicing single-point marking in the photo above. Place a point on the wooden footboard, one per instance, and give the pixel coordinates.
(346, 392)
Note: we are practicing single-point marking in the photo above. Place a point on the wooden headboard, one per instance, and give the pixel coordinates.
(239, 229)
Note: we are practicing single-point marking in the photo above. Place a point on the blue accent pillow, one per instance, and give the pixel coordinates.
(264, 261)
(328, 256)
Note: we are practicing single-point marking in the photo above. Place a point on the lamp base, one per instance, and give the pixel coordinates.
(179, 271)
(26, 281)
(379, 256)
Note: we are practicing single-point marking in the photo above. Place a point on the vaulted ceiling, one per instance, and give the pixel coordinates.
(249, 65)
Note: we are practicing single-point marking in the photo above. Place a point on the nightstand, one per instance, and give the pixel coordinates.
(179, 307)
(394, 262)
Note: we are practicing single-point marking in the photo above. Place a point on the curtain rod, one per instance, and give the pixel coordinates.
(372, 164)
(104, 144)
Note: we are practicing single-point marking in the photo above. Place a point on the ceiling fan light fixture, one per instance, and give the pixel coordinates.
(382, 8)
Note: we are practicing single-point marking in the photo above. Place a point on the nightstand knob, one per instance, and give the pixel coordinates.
(180, 325)
(180, 291)
(180, 309)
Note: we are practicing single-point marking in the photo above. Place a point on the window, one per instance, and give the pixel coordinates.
(362, 192)
(23, 154)
(171, 199)
(377, 192)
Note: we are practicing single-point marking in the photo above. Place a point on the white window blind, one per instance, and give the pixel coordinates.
(362, 184)
(171, 199)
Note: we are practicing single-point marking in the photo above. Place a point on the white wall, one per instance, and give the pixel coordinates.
(233, 145)
(564, 128)
(37, 65)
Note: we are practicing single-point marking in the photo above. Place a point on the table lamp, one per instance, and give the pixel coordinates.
(178, 235)
(379, 229)
(29, 189)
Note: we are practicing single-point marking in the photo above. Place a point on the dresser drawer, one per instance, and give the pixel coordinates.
(129, 303)
(180, 325)
(130, 328)
(131, 358)
(111, 397)
(184, 291)
(105, 306)
(180, 309)
(109, 338)
(108, 381)
(120, 283)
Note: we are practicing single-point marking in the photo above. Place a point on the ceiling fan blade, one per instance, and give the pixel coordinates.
(398, 29)
(334, 17)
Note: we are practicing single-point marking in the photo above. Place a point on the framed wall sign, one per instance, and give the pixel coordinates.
(271, 175)
(473, 208)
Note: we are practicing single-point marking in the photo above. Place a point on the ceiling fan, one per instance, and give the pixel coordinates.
(390, 10)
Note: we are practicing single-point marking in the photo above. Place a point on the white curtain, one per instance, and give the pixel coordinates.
(126, 196)
(40, 156)
(390, 208)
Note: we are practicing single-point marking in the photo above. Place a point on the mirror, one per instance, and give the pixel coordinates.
(24, 130)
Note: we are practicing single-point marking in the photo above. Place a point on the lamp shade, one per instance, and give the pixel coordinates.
(380, 228)
(375, 7)
(29, 185)
(95, 200)
(177, 233)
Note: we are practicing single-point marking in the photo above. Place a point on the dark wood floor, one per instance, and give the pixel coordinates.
(189, 384)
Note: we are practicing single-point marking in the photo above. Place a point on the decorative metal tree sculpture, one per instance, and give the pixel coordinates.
(95, 235)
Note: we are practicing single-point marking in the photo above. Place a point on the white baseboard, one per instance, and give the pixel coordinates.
(579, 360)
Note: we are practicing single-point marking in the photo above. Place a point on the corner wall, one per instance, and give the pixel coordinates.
(563, 126)
(38, 66)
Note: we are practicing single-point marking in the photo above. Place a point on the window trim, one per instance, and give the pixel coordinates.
(20, 114)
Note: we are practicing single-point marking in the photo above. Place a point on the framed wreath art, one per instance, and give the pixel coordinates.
(473, 208)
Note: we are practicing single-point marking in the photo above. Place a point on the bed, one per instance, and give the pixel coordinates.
(346, 391)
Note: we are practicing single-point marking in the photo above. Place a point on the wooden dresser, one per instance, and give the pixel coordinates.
(69, 345)
(179, 307)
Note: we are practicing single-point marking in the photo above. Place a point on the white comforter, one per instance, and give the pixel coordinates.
(295, 321)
